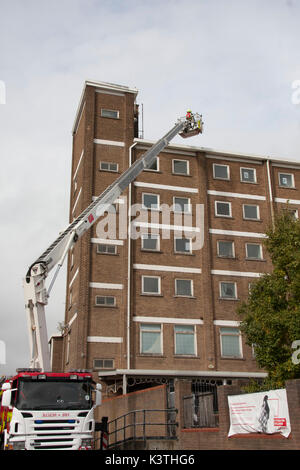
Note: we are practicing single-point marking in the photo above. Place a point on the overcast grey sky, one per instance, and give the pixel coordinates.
(234, 61)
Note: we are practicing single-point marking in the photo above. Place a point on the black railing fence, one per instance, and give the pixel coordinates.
(142, 425)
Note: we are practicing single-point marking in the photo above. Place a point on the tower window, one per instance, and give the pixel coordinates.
(106, 249)
(110, 113)
(104, 364)
(109, 166)
(105, 301)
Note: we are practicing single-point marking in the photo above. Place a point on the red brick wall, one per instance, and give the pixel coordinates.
(217, 438)
(148, 399)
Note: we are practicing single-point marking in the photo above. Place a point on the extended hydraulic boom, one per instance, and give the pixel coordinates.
(36, 294)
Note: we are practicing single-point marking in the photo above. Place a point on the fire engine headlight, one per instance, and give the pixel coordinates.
(17, 445)
(86, 444)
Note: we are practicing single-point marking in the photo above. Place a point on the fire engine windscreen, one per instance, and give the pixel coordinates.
(53, 395)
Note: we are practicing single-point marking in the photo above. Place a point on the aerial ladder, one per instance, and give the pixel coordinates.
(36, 293)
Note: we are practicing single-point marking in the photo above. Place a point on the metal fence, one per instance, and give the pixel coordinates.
(200, 408)
(142, 425)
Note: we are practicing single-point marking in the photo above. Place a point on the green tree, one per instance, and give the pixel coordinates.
(271, 315)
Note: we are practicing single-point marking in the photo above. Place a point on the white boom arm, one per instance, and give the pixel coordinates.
(36, 294)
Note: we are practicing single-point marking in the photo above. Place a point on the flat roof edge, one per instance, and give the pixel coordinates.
(220, 152)
(184, 373)
(103, 86)
(111, 86)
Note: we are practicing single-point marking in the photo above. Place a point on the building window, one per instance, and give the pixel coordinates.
(222, 209)
(109, 166)
(150, 201)
(150, 339)
(184, 287)
(225, 249)
(230, 342)
(286, 180)
(253, 251)
(250, 212)
(248, 175)
(104, 364)
(221, 172)
(150, 242)
(105, 301)
(154, 166)
(227, 290)
(110, 113)
(106, 249)
(294, 213)
(182, 245)
(180, 167)
(184, 340)
(151, 285)
(182, 204)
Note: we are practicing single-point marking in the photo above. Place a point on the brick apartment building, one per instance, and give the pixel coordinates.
(141, 312)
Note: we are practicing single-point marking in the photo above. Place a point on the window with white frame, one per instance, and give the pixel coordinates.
(184, 287)
(250, 212)
(231, 345)
(250, 287)
(182, 245)
(150, 201)
(104, 364)
(227, 290)
(109, 166)
(105, 301)
(110, 113)
(185, 340)
(182, 204)
(154, 166)
(180, 167)
(221, 171)
(150, 338)
(253, 251)
(151, 285)
(286, 180)
(222, 209)
(225, 249)
(248, 175)
(104, 249)
(294, 213)
(150, 242)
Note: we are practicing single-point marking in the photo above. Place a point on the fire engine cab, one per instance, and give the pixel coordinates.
(44, 410)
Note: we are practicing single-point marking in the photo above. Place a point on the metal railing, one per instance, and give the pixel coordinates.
(140, 425)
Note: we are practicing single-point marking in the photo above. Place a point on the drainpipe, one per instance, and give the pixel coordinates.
(128, 271)
(270, 191)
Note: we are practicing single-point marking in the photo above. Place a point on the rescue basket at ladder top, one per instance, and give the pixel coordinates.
(193, 126)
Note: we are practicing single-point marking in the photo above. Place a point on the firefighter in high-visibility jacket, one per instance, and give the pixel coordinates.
(189, 115)
(5, 418)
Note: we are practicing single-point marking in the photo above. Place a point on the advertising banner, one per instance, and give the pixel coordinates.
(264, 412)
